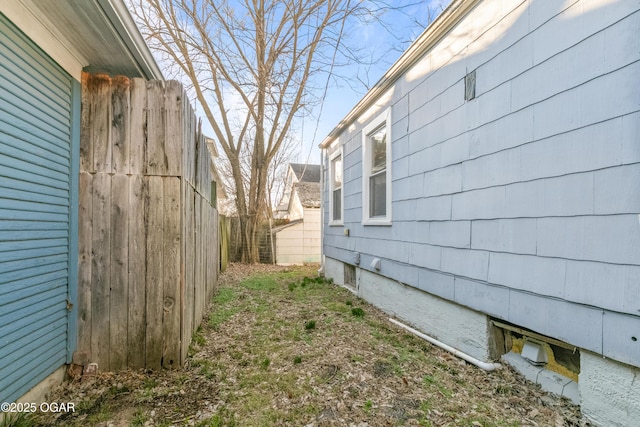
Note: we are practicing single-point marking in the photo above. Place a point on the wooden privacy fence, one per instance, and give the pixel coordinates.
(225, 231)
(148, 233)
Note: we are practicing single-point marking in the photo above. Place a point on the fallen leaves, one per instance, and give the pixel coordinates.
(260, 362)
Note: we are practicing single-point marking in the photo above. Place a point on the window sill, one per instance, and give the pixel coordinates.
(381, 222)
(336, 224)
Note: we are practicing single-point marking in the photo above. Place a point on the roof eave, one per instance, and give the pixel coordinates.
(425, 42)
(124, 25)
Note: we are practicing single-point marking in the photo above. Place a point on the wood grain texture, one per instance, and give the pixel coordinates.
(100, 271)
(136, 325)
(171, 272)
(188, 326)
(86, 124)
(155, 274)
(173, 130)
(101, 124)
(137, 125)
(120, 128)
(147, 234)
(119, 266)
(155, 156)
(85, 245)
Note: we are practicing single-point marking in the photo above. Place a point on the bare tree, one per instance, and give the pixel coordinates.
(253, 66)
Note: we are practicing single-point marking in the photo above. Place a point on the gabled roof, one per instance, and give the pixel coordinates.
(308, 193)
(306, 173)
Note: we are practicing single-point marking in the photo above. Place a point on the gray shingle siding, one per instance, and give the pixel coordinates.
(523, 202)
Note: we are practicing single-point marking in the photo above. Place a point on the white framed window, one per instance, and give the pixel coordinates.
(376, 167)
(336, 195)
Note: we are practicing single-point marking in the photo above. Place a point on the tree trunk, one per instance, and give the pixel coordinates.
(256, 214)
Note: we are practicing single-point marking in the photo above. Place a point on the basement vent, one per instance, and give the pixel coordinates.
(350, 276)
(470, 86)
(553, 354)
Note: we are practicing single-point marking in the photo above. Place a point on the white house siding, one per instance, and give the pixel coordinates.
(523, 202)
(300, 243)
(296, 211)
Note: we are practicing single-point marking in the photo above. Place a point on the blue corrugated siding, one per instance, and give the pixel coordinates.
(36, 207)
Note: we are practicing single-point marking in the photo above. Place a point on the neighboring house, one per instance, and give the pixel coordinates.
(491, 193)
(218, 193)
(223, 204)
(107, 229)
(298, 241)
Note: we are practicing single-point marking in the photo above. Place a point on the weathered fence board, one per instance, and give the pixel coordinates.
(86, 124)
(173, 112)
(155, 276)
(101, 125)
(199, 259)
(136, 323)
(100, 271)
(148, 232)
(137, 122)
(171, 269)
(119, 265)
(85, 236)
(120, 129)
(189, 132)
(155, 158)
(187, 283)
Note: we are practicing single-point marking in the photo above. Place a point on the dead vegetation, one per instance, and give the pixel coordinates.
(277, 349)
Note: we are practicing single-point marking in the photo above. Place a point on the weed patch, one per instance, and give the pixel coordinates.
(282, 346)
(18, 419)
(310, 325)
(357, 312)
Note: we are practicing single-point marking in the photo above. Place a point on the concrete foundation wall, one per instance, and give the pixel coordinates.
(453, 324)
(334, 269)
(609, 391)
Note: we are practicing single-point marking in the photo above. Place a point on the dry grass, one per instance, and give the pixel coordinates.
(278, 350)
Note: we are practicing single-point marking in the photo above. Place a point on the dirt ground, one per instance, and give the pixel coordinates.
(279, 350)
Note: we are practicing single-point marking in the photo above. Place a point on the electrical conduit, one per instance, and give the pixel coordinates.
(487, 366)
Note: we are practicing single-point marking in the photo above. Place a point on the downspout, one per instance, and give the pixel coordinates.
(322, 226)
(487, 366)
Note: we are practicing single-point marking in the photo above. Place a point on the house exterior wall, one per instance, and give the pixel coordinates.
(39, 144)
(609, 392)
(300, 243)
(464, 329)
(34, 28)
(296, 211)
(40, 127)
(523, 202)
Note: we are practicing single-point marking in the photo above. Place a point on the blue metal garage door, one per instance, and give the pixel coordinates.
(36, 199)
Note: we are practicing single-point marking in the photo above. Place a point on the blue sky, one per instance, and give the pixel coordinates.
(390, 39)
(341, 98)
